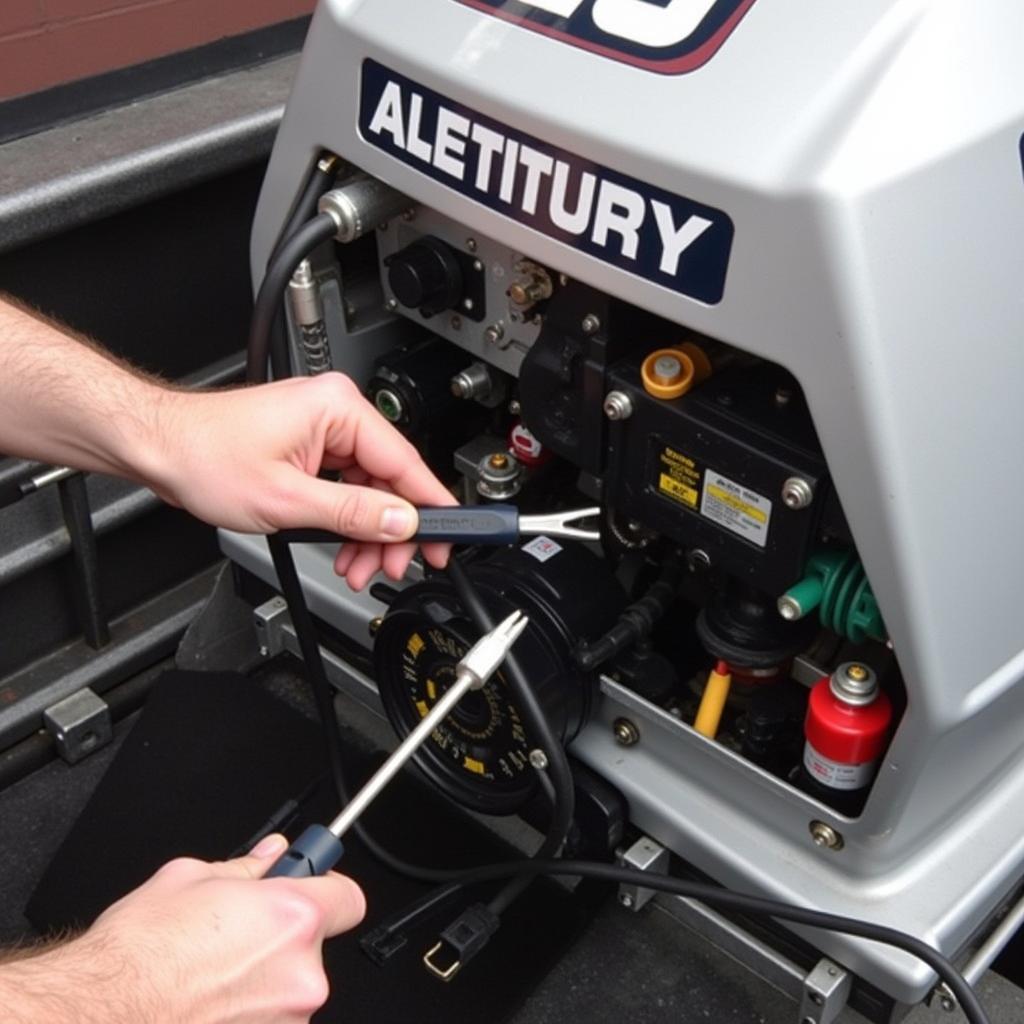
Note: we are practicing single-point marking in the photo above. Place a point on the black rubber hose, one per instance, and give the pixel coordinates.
(635, 623)
(538, 729)
(319, 182)
(268, 300)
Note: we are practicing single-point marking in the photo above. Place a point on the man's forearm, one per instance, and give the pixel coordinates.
(64, 402)
(74, 982)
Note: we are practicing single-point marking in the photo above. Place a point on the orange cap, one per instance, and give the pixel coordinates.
(667, 373)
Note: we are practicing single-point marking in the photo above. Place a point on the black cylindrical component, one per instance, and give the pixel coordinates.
(426, 275)
(538, 698)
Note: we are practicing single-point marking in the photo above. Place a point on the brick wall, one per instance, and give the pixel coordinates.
(47, 42)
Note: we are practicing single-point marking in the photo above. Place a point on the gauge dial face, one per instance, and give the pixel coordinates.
(483, 739)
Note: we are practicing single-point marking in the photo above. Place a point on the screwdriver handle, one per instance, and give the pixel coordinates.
(315, 852)
(469, 524)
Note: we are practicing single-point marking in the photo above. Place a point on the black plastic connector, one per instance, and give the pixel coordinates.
(461, 941)
(382, 944)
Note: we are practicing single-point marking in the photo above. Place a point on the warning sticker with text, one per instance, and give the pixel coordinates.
(678, 477)
(736, 507)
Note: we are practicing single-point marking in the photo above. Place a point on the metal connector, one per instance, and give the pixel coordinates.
(361, 205)
(490, 650)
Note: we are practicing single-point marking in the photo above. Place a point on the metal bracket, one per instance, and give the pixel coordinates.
(276, 634)
(79, 725)
(644, 855)
(826, 990)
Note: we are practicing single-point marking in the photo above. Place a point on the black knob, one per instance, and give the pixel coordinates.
(426, 275)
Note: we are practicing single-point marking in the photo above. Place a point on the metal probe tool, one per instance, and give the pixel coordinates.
(319, 847)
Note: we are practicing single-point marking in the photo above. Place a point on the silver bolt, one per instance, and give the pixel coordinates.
(618, 405)
(825, 836)
(514, 407)
(467, 304)
(471, 244)
(625, 732)
(698, 560)
(797, 493)
(478, 266)
(591, 324)
(374, 624)
(494, 334)
(264, 651)
(538, 759)
(626, 900)
(391, 305)
(789, 608)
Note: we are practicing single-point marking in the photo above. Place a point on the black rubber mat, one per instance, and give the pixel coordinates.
(211, 757)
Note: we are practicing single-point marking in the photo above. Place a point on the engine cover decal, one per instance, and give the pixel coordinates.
(654, 234)
(668, 36)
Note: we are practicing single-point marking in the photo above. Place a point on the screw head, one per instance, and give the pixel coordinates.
(626, 900)
(797, 493)
(625, 732)
(698, 560)
(538, 759)
(514, 407)
(789, 608)
(782, 396)
(591, 323)
(391, 305)
(478, 265)
(499, 460)
(471, 244)
(264, 651)
(825, 836)
(618, 405)
(494, 334)
(374, 624)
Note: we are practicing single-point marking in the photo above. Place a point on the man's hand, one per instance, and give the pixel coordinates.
(198, 943)
(248, 459)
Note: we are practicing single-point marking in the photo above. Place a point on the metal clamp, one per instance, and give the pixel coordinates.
(79, 725)
(826, 990)
(644, 855)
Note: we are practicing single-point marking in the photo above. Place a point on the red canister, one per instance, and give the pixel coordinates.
(847, 726)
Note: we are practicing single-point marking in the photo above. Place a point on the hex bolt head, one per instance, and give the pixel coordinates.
(494, 334)
(825, 836)
(591, 323)
(625, 732)
(618, 405)
(698, 560)
(797, 493)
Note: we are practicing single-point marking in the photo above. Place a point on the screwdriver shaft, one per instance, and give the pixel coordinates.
(464, 682)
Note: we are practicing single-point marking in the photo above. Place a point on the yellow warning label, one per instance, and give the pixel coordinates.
(678, 476)
(738, 504)
(415, 645)
(431, 689)
(677, 490)
(421, 707)
(473, 765)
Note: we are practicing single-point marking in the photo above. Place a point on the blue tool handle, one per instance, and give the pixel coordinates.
(315, 852)
(470, 524)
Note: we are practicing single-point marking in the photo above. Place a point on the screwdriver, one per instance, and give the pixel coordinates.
(319, 847)
(477, 524)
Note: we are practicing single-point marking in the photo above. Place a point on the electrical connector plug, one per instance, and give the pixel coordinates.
(382, 944)
(461, 941)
